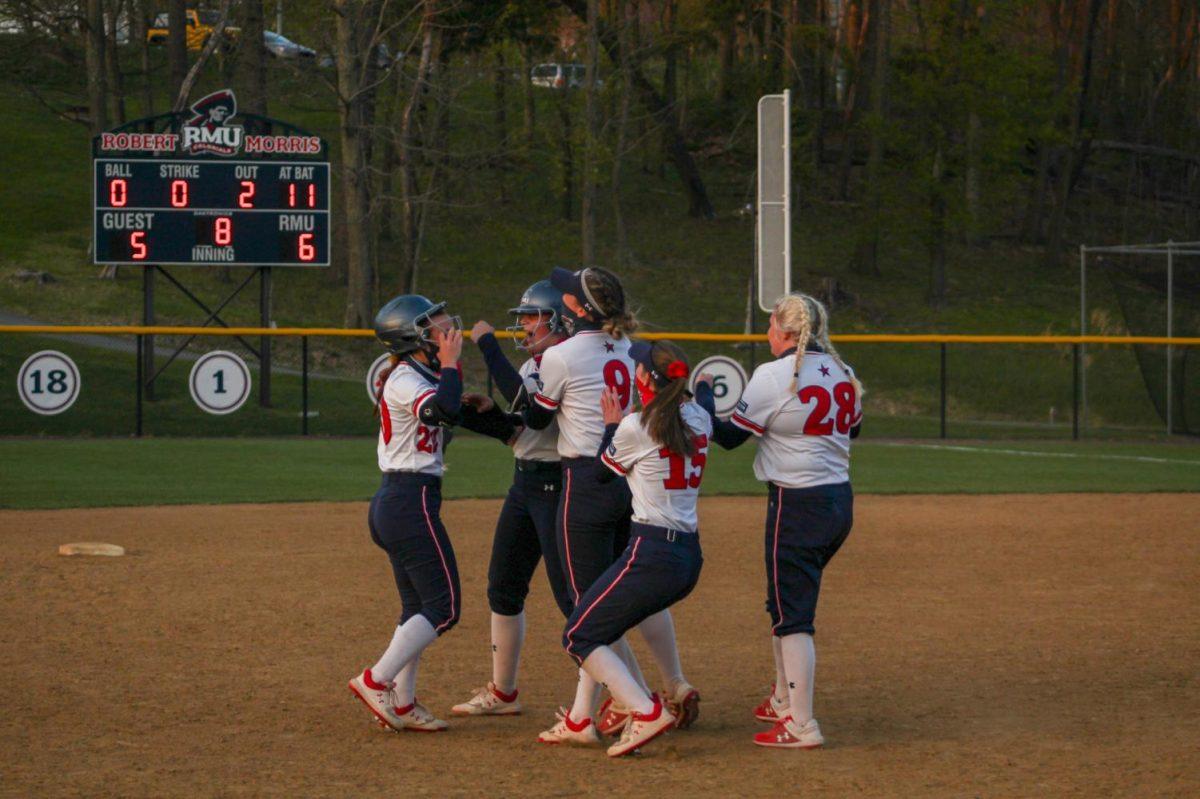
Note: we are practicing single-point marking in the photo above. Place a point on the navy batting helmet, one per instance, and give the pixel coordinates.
(400, 324)
(543, 299)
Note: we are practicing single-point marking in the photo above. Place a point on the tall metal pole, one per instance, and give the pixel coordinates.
(1170, 317)
(148, 320)
(138, 410)
(942, 412)
(264, 361)
(1083, 332)
(304, 385)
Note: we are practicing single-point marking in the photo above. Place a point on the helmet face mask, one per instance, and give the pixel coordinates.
(522, 336)
(544, 300)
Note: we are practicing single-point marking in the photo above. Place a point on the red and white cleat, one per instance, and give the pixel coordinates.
(642, 729)
(787, 734)
(489, 701)
(772, 710)
(378, 698)
(417, 718)
(611, 718)
(684, 704)
(567, 731)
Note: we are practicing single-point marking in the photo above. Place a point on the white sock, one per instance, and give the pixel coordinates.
(781, 686)
(623, 650)
(406, 683)
(659, 632)
(800, 662)
(508, 633)
(407, 642)
(607, 668)
(586, 694)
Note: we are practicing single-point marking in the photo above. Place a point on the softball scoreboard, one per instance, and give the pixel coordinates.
(205, 191)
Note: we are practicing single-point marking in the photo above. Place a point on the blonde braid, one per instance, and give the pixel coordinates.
(822, 338)
(793, 315)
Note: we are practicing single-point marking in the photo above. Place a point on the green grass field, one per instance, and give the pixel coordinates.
(95, 473)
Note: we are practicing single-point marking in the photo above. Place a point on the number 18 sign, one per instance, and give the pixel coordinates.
(219, 382)
(48, 382)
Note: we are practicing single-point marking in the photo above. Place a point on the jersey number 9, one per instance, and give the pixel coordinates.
(616, 376)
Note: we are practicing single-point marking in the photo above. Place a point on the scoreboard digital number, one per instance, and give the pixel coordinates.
(251, 213)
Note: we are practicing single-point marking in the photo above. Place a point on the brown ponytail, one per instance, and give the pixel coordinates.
(663, 417)
(609, 294)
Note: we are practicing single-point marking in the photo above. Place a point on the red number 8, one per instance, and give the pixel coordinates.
(616, 376)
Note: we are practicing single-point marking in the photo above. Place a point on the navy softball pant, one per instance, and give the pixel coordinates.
(592, 524)
(658, 568)
(405, 522)
(525, 534)
(805, 529)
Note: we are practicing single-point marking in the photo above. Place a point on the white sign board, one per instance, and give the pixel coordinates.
(773, 231)
(374, 383)
(48, 382)
(219, 382)
(729, 381)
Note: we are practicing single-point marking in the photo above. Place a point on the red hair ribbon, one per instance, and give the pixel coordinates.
(677, 370)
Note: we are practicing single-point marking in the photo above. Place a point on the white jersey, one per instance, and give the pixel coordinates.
(804, 435)
(405, 444)
(574, 373)
(535, 445)
(665, 486)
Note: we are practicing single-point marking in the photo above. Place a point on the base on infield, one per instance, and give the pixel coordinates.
(91, 548)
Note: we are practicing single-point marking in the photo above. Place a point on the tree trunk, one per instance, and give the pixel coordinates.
(112, 65)
(530, 110)
(971, 183)
(251, 77)
(627, 9)
(937, 235)
(591, 142)
(409, 191)
(141, 23)
(724, 66)
(566, 154)
(866, 259)
(500, 119)
(177, 53)
(1076, 152)
(355, 177)
(96, 83)
(670, 81)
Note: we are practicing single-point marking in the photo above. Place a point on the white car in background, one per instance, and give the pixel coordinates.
(560, 76)
(280, 46)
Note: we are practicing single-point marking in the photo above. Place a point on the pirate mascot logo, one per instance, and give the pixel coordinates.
(209, 130)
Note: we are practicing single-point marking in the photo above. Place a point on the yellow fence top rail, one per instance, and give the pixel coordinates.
(847, 338)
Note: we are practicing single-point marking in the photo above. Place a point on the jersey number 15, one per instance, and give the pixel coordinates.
(682, 477)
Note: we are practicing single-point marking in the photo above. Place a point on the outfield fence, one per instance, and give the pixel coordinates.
(918, 385)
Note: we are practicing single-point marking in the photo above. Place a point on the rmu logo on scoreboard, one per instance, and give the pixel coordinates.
(209, 130)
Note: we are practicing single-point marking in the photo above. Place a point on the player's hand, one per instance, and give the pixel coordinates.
(449, 346)
(610, 406)
(481, 329)
(480, 402)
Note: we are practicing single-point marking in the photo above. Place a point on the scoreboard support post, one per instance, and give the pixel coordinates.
(147, 351)
(264, 347)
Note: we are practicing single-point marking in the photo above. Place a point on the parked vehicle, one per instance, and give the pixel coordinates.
(200, 26)
(280, 46)
(560, 76)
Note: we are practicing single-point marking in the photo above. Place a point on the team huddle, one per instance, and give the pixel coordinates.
(605, 495)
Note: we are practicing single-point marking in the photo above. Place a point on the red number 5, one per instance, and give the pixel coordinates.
(616, 376)
(817, 424)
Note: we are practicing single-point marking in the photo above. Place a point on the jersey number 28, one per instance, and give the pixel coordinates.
(817, 424)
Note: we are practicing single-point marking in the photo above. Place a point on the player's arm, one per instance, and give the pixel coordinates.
(618, 447)
(507, 378)
(553, 373)
(725, 433)
(480, 414)
(442, 406)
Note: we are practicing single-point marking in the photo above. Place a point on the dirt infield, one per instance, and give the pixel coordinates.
(968, 646)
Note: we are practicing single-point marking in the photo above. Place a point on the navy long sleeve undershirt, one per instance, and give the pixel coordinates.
(727, 434)
(507, 378)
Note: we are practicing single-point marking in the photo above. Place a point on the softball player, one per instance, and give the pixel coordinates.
(804, 408)
(661, 451)
(525, 531)
(593, 518)
(420, 400)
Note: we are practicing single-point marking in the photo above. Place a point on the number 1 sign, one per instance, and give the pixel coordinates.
(219, 382)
